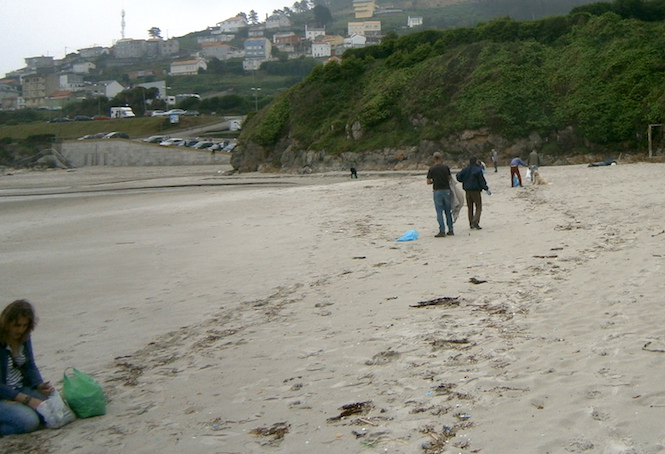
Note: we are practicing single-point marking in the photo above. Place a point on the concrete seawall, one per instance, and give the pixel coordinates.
(120, 153)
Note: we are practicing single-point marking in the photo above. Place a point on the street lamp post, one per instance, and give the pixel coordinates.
(256, 99)
(99, 98)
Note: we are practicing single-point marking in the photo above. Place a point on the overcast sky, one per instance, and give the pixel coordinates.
(32, 28)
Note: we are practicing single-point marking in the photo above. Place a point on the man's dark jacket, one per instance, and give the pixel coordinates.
(472, 178)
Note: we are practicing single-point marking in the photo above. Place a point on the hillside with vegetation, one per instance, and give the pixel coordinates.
(590, 81)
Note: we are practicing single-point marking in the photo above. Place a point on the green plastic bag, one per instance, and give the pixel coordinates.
(83, 394)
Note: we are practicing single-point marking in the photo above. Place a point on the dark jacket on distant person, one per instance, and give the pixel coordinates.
(472, 178)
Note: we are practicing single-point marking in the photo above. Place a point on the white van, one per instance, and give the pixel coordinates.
(122, 112)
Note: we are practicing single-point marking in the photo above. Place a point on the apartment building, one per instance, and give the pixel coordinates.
(366, 28)
(364, 9)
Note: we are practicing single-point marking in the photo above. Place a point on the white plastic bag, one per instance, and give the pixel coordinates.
(55, 411)
(458, 196)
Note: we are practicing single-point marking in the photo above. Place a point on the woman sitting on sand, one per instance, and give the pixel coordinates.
(21, 386)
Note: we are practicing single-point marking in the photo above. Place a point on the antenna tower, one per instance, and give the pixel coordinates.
(122, 24)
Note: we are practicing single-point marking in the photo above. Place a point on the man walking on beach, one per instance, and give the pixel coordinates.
(495, 160)
(473, 182)
(534, 163)
(534, 159)
(439, 177)
(515, 171)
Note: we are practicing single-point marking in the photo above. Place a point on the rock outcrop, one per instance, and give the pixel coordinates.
(287, 156)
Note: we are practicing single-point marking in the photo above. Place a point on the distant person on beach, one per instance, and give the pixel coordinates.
(439, 177)
(354, 172)
(607, 162)
(534, 163)
(515, 171)
(473, 182)
(495, 160)
(21, 386)
(534, 159)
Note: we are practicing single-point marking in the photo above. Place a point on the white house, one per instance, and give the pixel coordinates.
(312, 33)
(321, 50)
(414, 21)
(187, 67)
(232, 25)
(108, 88)
(355, 41)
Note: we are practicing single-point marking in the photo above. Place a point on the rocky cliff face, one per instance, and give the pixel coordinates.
(456, 149)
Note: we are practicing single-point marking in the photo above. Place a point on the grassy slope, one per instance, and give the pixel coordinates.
(604, 77)
(134, 127)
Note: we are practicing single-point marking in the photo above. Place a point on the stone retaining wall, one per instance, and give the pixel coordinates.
(120, 153)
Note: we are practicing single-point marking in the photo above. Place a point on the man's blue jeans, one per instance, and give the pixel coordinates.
(16, 418)
(442, 205)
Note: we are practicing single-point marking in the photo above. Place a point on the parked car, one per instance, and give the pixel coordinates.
(203, 144)
(155, 139)
(215, 147)
(59, 120)
(172, 141)
(191, 113)
(101, 117)
(229, 148)
(190, 142)
(157, 113)
(174, 111)
(82, 118)
(116, 135)
(99, 135)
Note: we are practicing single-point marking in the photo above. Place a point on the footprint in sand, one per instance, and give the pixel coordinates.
(382, 358)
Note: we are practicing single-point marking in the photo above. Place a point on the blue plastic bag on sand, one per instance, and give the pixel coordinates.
(409, 236)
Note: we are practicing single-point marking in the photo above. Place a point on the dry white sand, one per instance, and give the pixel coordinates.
(250, 314)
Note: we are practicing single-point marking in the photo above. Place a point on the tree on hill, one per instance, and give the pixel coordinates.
(253, 17)
(136, 97)
(322, 16)
(155, 32)
(301, 7)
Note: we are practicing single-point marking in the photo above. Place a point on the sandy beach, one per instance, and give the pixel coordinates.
(278, 314)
